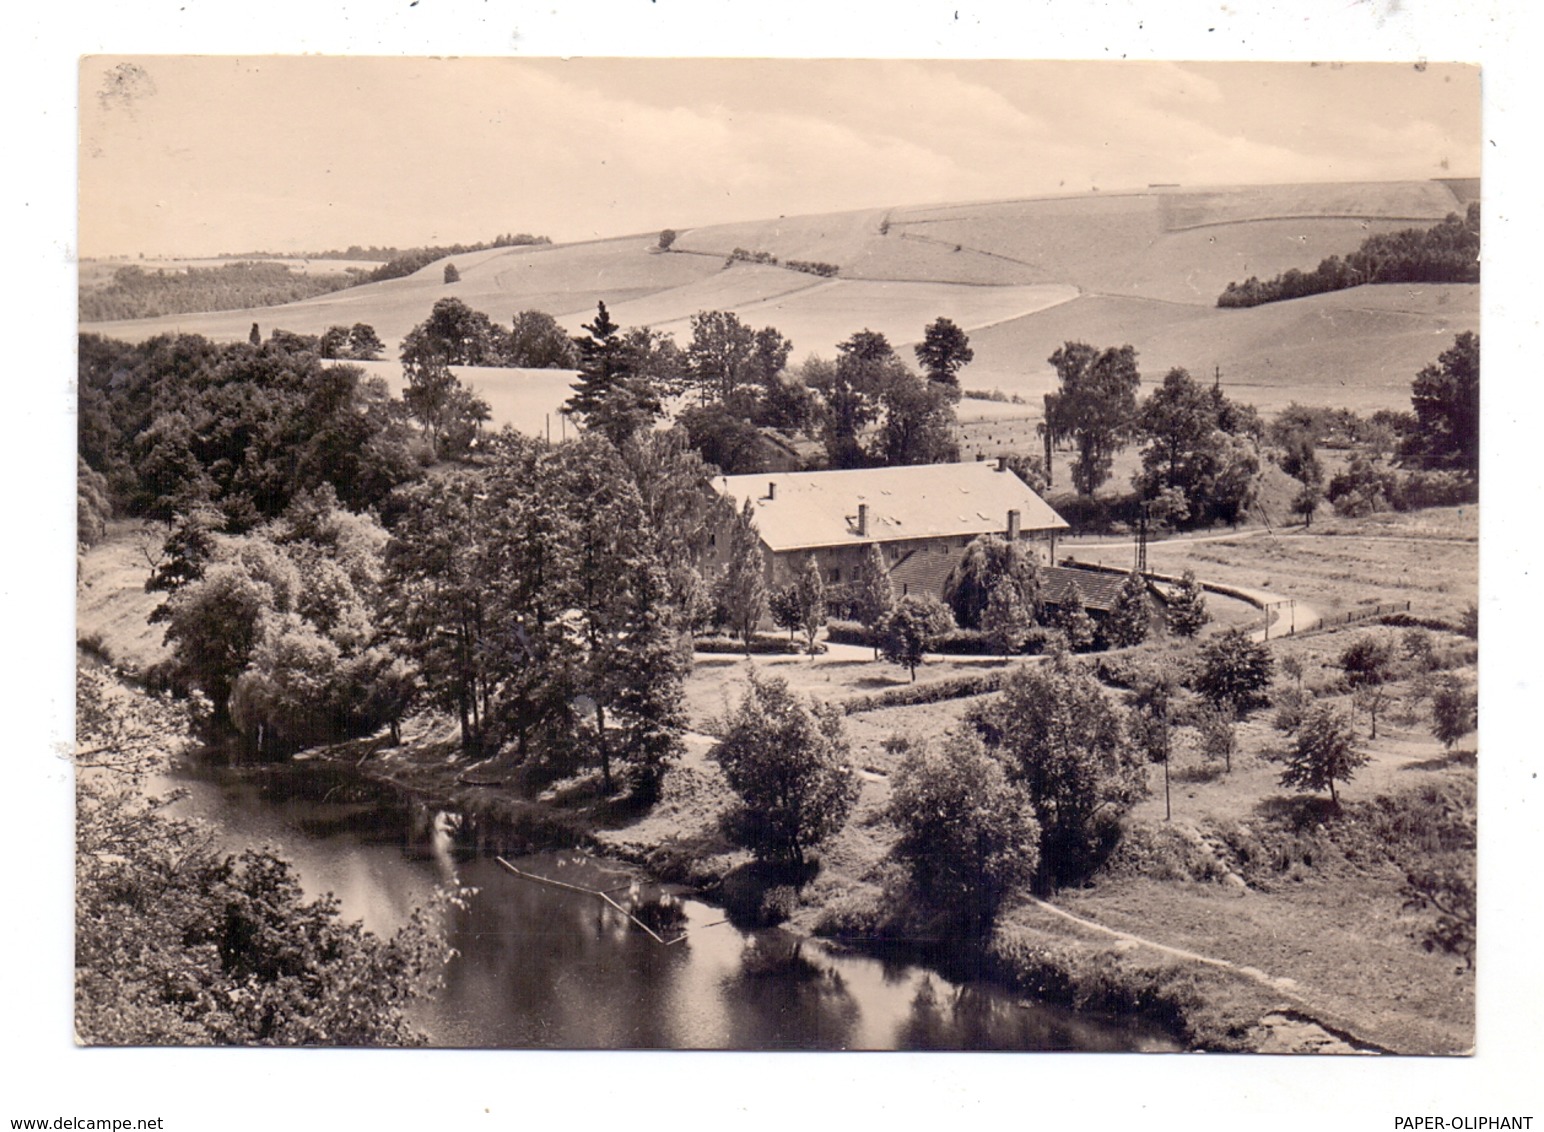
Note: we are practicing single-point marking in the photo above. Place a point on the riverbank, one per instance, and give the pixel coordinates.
(1111, 949)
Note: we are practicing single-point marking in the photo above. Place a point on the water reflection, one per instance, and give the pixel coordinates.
(541, 967)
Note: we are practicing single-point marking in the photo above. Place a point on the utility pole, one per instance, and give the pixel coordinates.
(1142, 541)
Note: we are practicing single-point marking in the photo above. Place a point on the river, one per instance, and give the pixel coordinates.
(540, 967)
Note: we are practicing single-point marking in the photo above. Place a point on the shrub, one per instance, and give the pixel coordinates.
(1291, 707)
(1435, 489)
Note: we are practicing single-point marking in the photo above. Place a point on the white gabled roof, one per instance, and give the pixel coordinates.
(812, 509)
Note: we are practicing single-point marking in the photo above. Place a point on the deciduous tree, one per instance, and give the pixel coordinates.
(1446, 400)
(787, 760)
(988, 560)
(943, 352)
(1094, 407)
(538, 342)
(1453, 711)
(910, 628)
(811, 588)
(1233, 671)
(968, 835)
(1065, 744)
(742, 589)
(1324, 753)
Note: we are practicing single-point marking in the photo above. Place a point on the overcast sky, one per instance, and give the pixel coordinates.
(191, 155)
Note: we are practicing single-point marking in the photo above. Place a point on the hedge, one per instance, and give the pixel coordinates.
(956, 642)
(760, 643)
(956, 688)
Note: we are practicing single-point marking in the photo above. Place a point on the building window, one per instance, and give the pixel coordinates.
(836, 574)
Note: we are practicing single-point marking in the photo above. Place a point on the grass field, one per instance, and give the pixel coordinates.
(111, 605)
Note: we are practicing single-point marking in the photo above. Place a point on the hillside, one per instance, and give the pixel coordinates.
(1021, 276)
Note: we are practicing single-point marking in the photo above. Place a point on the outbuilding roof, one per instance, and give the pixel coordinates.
(799, 510)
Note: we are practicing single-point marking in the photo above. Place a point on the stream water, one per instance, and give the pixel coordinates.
(541, 967)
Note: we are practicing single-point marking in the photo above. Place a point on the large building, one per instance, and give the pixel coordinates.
(922, 518)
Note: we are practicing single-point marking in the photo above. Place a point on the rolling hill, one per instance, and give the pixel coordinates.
(1021, 276)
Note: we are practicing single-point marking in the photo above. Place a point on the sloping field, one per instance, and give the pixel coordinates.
(562, 279)
(527, 400)
(1358, 348)
(816, 318)
(1149, 265)
(735, 288)
(1134, 245)
(1396, 200)
(853, 241)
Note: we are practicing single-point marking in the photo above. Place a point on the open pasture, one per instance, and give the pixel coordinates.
(1339, 572)
(1181, 247)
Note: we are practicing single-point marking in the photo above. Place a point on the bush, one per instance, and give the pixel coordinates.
(1165, 853)
(1291, 706)
(1435, 489)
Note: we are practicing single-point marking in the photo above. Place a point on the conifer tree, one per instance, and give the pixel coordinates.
(1128, 622)
(1187, 608)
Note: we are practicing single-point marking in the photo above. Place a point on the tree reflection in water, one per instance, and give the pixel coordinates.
(778, 989)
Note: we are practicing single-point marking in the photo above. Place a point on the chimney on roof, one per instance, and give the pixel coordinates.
(1002, 463)
(863, 520)
(771, 489)
(1013, 526)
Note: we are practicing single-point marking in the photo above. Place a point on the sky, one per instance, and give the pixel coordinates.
(198, 155)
